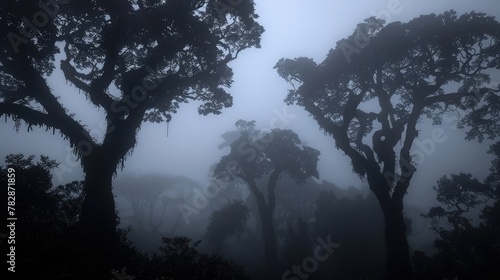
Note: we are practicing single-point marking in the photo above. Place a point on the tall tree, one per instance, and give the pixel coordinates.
(372, 90)
(275, 154)
(135, 60)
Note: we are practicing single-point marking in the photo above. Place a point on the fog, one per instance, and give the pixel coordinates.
(293, 29)
(186, 149)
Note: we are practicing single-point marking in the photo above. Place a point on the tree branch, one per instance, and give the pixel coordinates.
(56, 116)
(271, 187)
(34, 117)
(454, 97)
(407, 169)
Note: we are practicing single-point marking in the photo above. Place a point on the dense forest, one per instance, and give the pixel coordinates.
(225, 240)
(263, 211)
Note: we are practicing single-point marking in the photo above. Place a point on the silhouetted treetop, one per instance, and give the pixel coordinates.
(259, 153)
(467, 247)
(182, 45)
(135, 60)
(459, 193)
(411, 61)
(377, 85)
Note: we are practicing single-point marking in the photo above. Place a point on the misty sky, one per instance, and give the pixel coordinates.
(293, 28)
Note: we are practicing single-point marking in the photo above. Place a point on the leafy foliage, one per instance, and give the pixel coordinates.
(405, 78)
(459, 194)
(37, 199)
(466, 250)
(135, 60)
(48, 226)
(187, 44)
(180, 259)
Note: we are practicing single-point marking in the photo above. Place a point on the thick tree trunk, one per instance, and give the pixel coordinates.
(398, 261)
(398, 253)
(98, 218)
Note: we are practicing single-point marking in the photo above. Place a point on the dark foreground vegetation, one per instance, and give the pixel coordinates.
(51, 245)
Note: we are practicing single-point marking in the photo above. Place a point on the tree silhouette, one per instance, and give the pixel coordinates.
(459, 194)
(369, 99)
(464, 249)
(276, 153)
(135, 60)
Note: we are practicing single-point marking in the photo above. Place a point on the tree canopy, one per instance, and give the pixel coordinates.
(137, 60)
(260, 153)
(134, 60)
(373, 89)
(430, 66)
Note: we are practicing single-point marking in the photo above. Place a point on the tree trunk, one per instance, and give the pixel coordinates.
(269, 239)
(266, 220)
(398, 262)
(98, 217)
(398, 252)
(270, 250)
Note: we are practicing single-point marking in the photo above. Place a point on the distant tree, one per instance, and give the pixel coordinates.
(372, 90)
(275, 154)
(229, 221)
(459, 194)
(151, 198)
(135, 60)
(464, 250)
